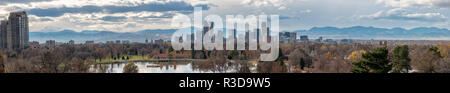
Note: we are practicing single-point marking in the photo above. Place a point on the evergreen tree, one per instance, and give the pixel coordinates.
(436, 51)
(401, 60)
(302, 63)
(373, 62)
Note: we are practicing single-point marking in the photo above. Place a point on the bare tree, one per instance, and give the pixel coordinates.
(130, 68)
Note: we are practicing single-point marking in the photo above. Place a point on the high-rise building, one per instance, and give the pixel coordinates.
(14, 31)
(3, 31)
(159, 42)
(304, 38)
(50, 43)
(284, 37)
(293, 37)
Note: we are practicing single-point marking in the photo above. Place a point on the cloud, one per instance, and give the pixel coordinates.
(419, 3)
(133, 15)
(401, 14)
(3, 2)
(43, 4)
(59, 7)
(305, 11)
(103, 15)
(122, 22)
(34, 18)
(154, 7)
(279, 4)
(284, 17)
(113, 18)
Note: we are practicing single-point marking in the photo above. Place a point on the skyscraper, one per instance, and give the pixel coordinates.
(14, 31)
(304, 38)
(3, 31)
(293, 37)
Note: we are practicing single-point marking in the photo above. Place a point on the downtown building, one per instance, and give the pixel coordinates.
(14, 31)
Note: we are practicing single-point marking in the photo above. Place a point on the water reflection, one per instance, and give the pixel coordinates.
(171, 67)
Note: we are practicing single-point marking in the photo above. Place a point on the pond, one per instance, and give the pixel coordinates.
(170, 67)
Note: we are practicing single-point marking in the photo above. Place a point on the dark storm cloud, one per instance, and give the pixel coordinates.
(182, 7)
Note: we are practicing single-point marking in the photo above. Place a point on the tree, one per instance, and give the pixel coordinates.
(280, 56)
(436, 51)
(233, 54)
(130, 68)
(78, 66)
(356, 55)
(2, 63)
(50, 62)
(373, 62)
(401, 60)
(302, 63)
(244, 67)
(295, 58)
(99, 53)
(443, 65)
(426, 60)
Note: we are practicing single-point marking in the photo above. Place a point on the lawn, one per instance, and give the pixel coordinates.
(131, 58)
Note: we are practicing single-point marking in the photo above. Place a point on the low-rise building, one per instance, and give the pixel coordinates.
(89, 42)
(50, 43)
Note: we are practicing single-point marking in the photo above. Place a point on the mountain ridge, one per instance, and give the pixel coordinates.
(329, 32)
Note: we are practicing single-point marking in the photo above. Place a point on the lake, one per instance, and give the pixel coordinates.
(171, 67)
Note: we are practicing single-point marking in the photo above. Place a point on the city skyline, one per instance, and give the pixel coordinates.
(131, 15)
(224, 36)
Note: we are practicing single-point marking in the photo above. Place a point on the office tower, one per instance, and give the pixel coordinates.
(293, 37)
(50, 43)
(304, 38)
(14, 31)
(4, 35)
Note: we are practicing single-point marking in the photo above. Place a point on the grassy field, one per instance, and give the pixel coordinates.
(131, 58)
(142, 58)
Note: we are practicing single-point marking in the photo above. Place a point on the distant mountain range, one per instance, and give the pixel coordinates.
(360, 32)
(101, 36)
(356, 32)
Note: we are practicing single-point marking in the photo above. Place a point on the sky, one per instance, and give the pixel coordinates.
(135, 15)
